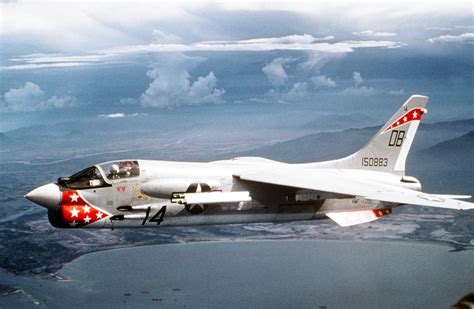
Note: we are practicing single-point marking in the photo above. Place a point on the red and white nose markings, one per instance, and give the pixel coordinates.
(77, 212)
(414, 114)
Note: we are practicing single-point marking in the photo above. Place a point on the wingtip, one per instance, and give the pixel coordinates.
(419, 96)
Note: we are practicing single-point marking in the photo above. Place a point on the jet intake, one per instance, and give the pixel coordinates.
(164, 188)
(56, 219)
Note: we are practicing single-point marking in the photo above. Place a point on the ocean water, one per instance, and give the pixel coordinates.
(258, 274)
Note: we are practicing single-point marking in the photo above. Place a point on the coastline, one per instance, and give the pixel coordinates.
(258, 273)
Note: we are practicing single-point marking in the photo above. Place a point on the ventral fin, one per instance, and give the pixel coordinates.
(358, 217)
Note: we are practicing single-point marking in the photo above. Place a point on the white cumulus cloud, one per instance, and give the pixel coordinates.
(316, 60)
(396, 92)
(322, 81)
(357, 78)
(30, 97)
(60, 102)
(299, 89)
(297, 93)
(171, 85)
(358, 89)
(275, 71)
(205, 90)
(27, 96)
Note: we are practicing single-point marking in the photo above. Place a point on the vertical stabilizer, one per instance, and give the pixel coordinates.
(388, 149)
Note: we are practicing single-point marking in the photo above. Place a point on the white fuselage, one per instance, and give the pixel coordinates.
(127, 204)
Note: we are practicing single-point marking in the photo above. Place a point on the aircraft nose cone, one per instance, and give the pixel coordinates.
(47, 196)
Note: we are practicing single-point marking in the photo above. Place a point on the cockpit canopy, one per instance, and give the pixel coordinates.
(120, 169)
(87, 178)
(101, 175)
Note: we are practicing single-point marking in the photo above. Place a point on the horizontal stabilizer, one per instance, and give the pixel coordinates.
(358, 217)
(210, 197)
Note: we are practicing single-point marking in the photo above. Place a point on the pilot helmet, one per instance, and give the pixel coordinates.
(114, 169)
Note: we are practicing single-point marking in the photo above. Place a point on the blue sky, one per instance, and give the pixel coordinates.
(63, 61)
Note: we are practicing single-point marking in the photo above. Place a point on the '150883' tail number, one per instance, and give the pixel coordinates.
(368, 161)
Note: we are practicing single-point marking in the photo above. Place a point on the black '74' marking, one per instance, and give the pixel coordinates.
(158, 217)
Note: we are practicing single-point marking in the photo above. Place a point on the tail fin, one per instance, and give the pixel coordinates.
(388, 149)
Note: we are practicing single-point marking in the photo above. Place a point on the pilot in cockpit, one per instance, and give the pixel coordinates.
(114, 171)
(125, 168)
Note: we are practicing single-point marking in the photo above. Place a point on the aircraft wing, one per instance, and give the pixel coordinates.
(336, 181)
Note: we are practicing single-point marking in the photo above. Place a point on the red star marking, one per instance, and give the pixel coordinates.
(77, 212)
(414, 114)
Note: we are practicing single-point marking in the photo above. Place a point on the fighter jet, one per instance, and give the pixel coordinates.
(353, 190)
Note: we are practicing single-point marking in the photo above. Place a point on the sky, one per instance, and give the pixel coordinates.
(63, 61)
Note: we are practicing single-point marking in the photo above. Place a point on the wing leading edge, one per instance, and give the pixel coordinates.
(342, 182)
